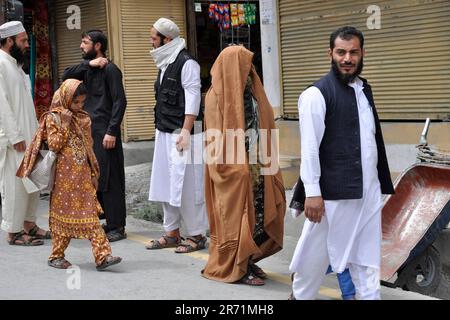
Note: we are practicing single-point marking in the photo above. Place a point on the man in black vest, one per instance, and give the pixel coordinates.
(105, 103)
(177, 178)
(344, 171)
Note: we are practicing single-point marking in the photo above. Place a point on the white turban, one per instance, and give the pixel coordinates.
(167, 28)
(10, 29)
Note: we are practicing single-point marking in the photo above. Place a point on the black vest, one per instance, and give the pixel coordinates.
(340, 149)
(169, 96)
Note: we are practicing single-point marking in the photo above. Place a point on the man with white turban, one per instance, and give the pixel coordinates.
(177, 172)
(17, 127)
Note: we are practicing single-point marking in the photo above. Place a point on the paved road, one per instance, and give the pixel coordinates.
(144, 274)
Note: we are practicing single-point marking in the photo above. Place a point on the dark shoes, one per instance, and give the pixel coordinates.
(116, 234)
(108, 262)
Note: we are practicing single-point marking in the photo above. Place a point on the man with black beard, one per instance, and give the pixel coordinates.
(344, 171)
(105, 103)
(17, 127)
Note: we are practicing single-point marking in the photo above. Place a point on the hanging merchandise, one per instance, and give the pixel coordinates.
(226, 17)
(250, 14)
(241, 13)
(211, 11)
(234, 15)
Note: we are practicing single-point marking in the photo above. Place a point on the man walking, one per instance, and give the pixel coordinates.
(344, 171)
(176, 180)
(105, 103)
(17, 127)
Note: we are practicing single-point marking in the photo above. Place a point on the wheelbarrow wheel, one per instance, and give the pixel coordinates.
(424, 273)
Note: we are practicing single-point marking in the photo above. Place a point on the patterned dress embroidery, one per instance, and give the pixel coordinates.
(74, 208)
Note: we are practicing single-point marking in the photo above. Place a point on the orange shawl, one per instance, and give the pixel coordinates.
(228, 187)
(62, 99)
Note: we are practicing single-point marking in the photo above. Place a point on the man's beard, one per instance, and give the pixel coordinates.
(17, 54)
(90, 55)
(348, 77)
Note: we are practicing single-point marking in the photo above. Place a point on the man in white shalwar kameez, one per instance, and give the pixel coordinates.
(343, 171)
(17, 126)
(177, 172)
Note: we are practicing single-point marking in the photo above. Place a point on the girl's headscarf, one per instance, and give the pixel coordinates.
(80, 124)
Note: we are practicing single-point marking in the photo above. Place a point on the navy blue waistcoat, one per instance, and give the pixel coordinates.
(340, 149)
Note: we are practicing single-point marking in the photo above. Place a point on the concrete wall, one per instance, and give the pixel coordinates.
(270, 53)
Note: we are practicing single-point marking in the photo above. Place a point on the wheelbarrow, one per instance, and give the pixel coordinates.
(414, 253)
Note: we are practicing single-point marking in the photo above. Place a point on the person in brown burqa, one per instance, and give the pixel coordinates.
(244, 191)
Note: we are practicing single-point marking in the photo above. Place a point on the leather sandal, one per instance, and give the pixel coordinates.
(251, 279)
(19, 240)
(34, 233)
(169, 242)
(191, 244)
(109, 261)
(59, 263)
(257, 270)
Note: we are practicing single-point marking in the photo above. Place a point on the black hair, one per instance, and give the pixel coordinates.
(3, 41)
(97, 36)
(80, 91)
(346, 33)
(159, 34)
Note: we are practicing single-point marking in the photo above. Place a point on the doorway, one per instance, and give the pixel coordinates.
(212, 34)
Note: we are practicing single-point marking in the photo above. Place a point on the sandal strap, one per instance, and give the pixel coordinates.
(60, 262)
(17, 236)
(199, 242)
(33, 231)
(169, 239)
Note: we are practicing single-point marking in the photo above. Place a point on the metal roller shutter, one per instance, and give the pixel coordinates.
(138, 67)
(93, 16)
(407, 61)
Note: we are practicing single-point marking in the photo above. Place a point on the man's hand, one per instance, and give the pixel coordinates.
(95, 182)
(66, 117)
(109, 142)
(314, 209)
(20, 146)
(183, 140)
(98, 63)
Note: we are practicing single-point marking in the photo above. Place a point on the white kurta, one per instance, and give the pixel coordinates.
(17, 123)
(171, 170)
(352, 228)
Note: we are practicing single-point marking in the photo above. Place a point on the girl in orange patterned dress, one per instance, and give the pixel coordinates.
(74, 208)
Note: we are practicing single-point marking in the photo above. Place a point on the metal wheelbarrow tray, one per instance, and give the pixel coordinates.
(413, 217)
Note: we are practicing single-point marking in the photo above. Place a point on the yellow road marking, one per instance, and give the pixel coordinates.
(324, 291)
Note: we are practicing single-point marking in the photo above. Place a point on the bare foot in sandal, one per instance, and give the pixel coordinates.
(257, 270)
(22, 239)
(192, 244)
(37, 232)
(251, 279)
(59, 263)
(164, 242)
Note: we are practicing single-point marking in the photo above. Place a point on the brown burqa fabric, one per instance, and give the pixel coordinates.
(228, 187)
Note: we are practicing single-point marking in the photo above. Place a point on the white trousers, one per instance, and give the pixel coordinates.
(311, 270)
(17, 205)
(193, 215)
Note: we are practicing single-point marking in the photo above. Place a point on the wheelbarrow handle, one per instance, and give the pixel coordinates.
(423, 137)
